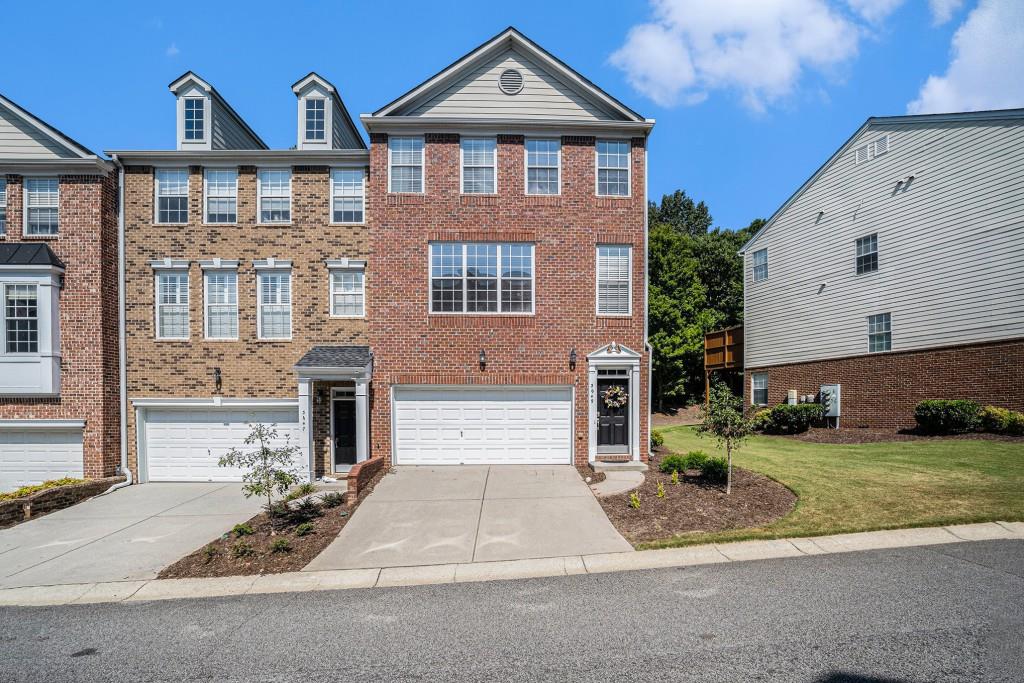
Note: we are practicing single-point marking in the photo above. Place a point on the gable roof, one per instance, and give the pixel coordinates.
(971, 116)
(28, 254)
(313, 77)
(510, 38)
(191, 76)
(79, 152)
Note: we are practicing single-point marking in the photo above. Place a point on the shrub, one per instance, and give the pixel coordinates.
(661, 490)
(240, 530)
(675, 477)
(1015, 425)
(657, 439)
(1001, 421)
(695, 460)
(241, 549)
(947, 417)
(332, 499)
(673, 463)
(306, 510)
(280, 545)
(634, 500)
(304, 489)
(788, 419)
(209, 552)
(304, 529)
(34, 488)
(716, 470)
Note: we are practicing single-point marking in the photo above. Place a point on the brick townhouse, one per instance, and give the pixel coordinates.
(59, 382)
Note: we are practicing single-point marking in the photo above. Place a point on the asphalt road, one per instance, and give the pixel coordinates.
(940, 613)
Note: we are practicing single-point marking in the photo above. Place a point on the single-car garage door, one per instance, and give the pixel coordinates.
(494, 425)
(185, 445)
(32, 456)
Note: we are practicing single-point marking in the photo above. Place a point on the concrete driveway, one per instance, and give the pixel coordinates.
(440, 515)
(132, 533)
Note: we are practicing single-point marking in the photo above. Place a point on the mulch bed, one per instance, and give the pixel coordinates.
(696, 506)
(587, 471)
(219, 559)
(866, 435)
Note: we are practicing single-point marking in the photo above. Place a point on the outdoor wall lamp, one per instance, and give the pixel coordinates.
(319, 396)
(572, 359)
(483, 359)
(216, 379)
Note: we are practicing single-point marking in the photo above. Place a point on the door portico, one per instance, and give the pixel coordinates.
(613, 430)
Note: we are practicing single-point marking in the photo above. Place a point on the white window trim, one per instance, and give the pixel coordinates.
(156, 194)
(25, 207)
(856, 256)
(526, 168)
(4, 284)
(597, 168)
(597, 282)
(462, 166)
(344, 265)
(890, 333)
(423, 165)
(3, 205)
(533, 282)
(206, 195)
(273, 265)
(305, 126)
(218, 266)
(753, 400)
(171, 266)
(330, 199)
(753, 266)
(206, 119)
(259, 195)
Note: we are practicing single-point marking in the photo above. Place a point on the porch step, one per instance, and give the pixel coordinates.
(631, 466)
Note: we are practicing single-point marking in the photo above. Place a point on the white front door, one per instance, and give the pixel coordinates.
(492, 425)
(32, 456)
(185, 445)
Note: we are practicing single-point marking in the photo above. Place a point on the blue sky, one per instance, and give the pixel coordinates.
(749, 98)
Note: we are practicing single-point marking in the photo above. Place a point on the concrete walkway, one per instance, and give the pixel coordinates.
(380, 577)
(130, 534)
(459, 515)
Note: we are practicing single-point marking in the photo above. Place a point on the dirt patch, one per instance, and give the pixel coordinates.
(866, 435)
(695, 506)
(587, 471)
(676, 416)
(225, 557)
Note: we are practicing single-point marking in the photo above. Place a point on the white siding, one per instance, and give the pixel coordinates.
(950, 247)
(476, 95)
(21, 140)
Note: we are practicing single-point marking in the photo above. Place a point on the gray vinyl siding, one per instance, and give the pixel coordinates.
(226, 132)
(476, 95)
(20, 140)
(342, 135)
(950, 247)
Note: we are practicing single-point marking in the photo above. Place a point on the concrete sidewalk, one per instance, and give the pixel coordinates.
(134, 591)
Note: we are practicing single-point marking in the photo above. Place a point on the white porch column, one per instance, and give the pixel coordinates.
(634, 409)
(306, 424)
(592, 412)
(362, 420)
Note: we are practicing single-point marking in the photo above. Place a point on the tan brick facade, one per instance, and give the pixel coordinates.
(414, 346)
(87, 245)
(250, 368)
(881, 390)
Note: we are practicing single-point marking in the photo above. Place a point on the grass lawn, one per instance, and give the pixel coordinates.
(844, 488)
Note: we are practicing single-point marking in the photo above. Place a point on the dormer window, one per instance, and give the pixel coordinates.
(316, 118)
(195, 121)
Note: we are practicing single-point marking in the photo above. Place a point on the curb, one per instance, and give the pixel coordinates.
(383, 577)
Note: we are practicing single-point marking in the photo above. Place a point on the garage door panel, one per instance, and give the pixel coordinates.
(32, 456)
(453, 425)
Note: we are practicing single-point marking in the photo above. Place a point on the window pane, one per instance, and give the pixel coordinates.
(613, 285)
(172, 195)
(3, 205)
(275, 305)
(172, 305)
(348, 193)
(222, 305)
(613, 167)
(759, 383)
(406, 179)
(406, 159)
(275, 195)
(867, 254)
(221, 196)
(21, 313)
(347, 292)
(194, 118)
(315, 118)
(481, 277)
(760, 263)
(42, 203)
(542, 181)
(879, 332)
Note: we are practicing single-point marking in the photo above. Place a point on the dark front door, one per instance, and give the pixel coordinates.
(612, 422)
(344, 432)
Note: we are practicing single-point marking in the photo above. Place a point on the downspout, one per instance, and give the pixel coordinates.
(121, 316)
(647, 286)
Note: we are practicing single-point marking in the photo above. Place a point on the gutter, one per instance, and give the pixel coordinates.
(647, 288)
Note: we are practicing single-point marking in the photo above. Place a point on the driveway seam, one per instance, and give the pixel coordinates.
(480, 516)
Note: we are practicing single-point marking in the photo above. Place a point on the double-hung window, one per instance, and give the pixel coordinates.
(172, 304)
(195, 118)
(479, 162)
(21, 318)
(172, 195)
(221, 304)
(613, 279)
(316, 118)
(867, 254)
(275, 304)
(221, 195)
(759, 388)
(43, 201)
(613, 168)
(879, 333)
(348, 195)
(275, 190)
(347, 292)
(481, 277)
(3, 205)
(405, 160)
(759, 260)
(542, 166)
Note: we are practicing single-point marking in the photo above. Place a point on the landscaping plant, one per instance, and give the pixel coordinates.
(675, 477)
(634, 500)
(304, 489)
(267, 470)
(723, 418)
(673, 463)
(947, 416)
(716, 470)
(280, 545)
(788, 419)
(332, 499)
(1001, 421)
(243, 529)
(657, 439)
(304, 529)
(661, 490)
(241, 549)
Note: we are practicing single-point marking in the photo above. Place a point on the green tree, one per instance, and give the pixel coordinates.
(267, 470)
(681, 212)
(723, 419)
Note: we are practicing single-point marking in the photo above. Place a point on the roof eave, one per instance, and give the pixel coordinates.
(372, 121)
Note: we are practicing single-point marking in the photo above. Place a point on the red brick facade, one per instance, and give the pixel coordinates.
(881, 390)
(412, 346)
(87, 245)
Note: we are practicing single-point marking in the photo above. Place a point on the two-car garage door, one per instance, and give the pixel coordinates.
(492, 425)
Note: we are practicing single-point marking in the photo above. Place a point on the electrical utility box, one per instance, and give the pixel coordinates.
(831, 399)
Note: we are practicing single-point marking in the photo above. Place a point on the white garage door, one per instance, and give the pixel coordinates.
(185, 445)
(496, 425)
(32, 456)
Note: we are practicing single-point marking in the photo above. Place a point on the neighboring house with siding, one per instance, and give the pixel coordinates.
(59, 397)
(896, 271)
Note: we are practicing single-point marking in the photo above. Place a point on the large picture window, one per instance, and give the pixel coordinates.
(221, 195)
(405, 159)
(275, 304)
(275, 186)
(172, 304)
(172, 195)
(481, 277)
(348, 195)
(43, 201)
(21, 318)
(613, 279)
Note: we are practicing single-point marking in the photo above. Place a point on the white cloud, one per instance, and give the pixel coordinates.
(760, 50)
(172, 50)
(983, 72)
(874, 10)
(943, 10)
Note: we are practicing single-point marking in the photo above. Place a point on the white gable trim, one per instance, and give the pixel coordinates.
(614, 352)
(47, 130)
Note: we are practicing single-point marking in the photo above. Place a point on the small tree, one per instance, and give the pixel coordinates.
(267, 470)
(723, 418)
